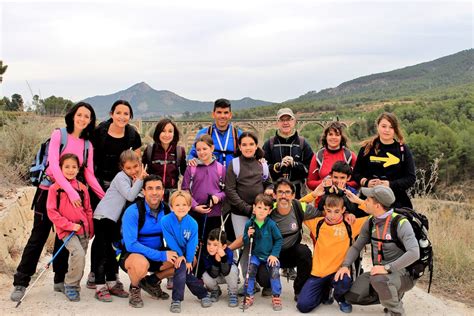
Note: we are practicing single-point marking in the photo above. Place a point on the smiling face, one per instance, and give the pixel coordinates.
(286, 124)
(120, 116)
(284, 195)
(82, 119)
(339, 179)
(153, 192)
(386, 131)
(180, 207)
(333, 139)
(248, 147)
(70, 168)
(204, 151)
(131, 168)
(222, 117)
(167, 134)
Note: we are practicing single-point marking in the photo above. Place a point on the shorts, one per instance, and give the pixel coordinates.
(155, 266)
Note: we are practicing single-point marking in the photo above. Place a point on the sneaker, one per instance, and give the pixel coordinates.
(276, 303)
(215, 294)
(329, 299)
(345, 307)
(175, 307)
(233, 300)
(267, 291)
(135, 298)
(103, 294)
(154, 290)
(58, 287)
(72, 293)
(206, 301)
(169, 283)
(118, 290)
(247, 302)
(91, 281)
(18, 293)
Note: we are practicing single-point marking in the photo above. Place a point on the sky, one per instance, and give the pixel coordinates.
(271, 50)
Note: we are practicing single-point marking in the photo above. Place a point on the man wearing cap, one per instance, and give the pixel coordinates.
(388, 279)
(288, 154)
(223, 133)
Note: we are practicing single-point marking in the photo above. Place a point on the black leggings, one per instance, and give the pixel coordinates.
(106, 266)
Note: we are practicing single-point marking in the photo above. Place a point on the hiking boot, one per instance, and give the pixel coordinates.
(276, 303)
(135, 298)
(58, 287)
(267, 291)
(90, 284)
(175, 307)
(247, 302)
(103, 294)
(233, 300)
(118, 290)
(206, 301)
(169, 283)
(72, 293)
(154, 290)
(18, 293)
(345, 307)
(215, 294)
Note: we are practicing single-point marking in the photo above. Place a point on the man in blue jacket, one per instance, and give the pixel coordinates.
(143, 240)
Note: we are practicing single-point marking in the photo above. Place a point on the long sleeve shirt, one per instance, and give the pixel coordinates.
(181, 235)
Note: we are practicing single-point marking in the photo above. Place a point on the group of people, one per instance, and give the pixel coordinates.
(237, 214)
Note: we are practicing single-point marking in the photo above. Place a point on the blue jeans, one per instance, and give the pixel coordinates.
(182, 277)
(275, 283)
(311, 294)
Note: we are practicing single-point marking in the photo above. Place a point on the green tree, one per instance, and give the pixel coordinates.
(16, 103)
(3, 69)
(56, 105)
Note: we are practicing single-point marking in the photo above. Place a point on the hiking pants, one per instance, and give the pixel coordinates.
(239, 222)
(34, 247)
(315, 288)
(274, 272)
(77, 247)
(298, 256)
(106, 266)
(182, 277)
(231, 279)
(388, 289)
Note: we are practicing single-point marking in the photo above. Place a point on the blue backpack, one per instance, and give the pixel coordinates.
(40, 164)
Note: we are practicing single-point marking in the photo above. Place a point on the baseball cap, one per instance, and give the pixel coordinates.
(381, 193)
(285, 111)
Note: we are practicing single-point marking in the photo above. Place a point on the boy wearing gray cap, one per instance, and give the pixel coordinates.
(388, 276)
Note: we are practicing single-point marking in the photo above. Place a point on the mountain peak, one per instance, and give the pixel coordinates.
(142, 87)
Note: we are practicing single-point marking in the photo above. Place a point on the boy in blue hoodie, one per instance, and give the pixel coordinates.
(266, 249)
(181, 235)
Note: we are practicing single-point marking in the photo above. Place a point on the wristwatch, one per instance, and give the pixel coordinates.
(388, 268)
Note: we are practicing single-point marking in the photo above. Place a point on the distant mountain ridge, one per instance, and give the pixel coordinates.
(148, 102)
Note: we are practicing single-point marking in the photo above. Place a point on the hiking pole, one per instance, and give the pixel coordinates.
(246, 282)
(46, 267)
(201, 245)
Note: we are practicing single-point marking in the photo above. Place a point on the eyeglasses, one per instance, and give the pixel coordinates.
(279, 192)
(286, 119)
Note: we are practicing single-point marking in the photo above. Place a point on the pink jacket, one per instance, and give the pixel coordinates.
(65, 215)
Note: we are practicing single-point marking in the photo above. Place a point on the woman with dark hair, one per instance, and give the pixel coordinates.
(334, 143)
(385, 159)
(74, 139)
(246, 177)
(164, 157)
(111, 138)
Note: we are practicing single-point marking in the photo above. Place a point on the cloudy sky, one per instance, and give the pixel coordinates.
(272, 50)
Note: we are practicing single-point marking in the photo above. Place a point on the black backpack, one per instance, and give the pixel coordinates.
(420, 225)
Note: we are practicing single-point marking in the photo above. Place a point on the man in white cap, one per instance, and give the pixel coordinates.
(388, 279)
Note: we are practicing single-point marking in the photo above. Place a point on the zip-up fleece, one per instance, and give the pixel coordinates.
(267, 239)
(181, 236)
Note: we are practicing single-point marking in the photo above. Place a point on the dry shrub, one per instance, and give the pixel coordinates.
(451, 232)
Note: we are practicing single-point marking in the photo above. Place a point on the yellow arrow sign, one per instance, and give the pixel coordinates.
(389, 160)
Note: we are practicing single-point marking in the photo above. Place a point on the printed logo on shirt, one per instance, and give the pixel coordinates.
(294, 226)
(339, 231)
(388, 237)
(187, 234)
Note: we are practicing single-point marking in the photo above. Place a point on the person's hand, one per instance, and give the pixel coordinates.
(262, 160)
(193, 162)
(385, 183)
(349, 218)
(220, 250)
(251, 231)
(179, 260)
(143, 173)
(341, 272)
(76, 227)
(352, 197)
(203, 209)
(287, 161)
(372, 183)
(272, 261)
(189, 267)
(77, 203)
(268, 192)
(378, 270)
(327, 181)
(171, 256)
(319, 191)
(215, 200)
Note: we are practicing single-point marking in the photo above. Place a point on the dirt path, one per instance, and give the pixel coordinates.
(43, 301)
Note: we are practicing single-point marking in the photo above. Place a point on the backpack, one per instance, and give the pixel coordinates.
(300, 144)
(40, 163)
(348, 228)
(179, 156)
(236, 168)
(234, 136)
(320, 156)
(220, 172)
(420, 225)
